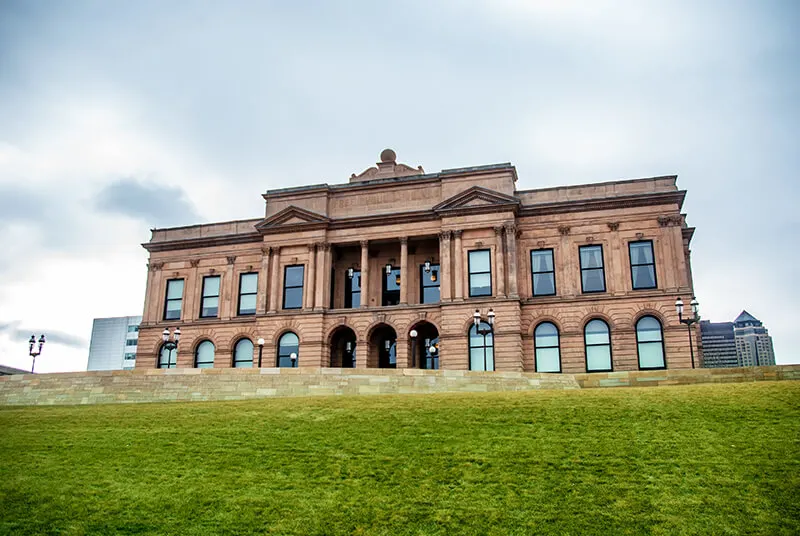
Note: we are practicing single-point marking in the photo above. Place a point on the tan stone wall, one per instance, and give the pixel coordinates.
(153, 385)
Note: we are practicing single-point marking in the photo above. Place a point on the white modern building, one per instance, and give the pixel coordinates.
(114, 342)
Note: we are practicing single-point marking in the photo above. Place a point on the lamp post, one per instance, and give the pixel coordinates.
(171, 343)
(33, 353)
(688, 321)
(431, 350)
(478, 322)
(413, 334)
(260, 350)
(293, 357)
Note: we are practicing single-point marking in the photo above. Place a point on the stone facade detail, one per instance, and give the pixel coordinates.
(422, 227)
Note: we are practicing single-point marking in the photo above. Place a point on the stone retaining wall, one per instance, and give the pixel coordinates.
(186, 384)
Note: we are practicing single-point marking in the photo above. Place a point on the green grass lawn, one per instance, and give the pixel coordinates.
(707, 459)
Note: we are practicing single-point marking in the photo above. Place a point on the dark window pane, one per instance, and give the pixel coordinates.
(641, 252)
(430, 295)
(249, 284)
(175, 289)
(544, 284)
(593, 280)
(480, 285)
(247, 304)
(204, 355)
(173, 311)
(243, 354)
(211, 286)
(479, 261)
(591, 256)
(542, 261)
(644, 276)
(293, 298)
(597, 332)
(287, 345)
(293, 276)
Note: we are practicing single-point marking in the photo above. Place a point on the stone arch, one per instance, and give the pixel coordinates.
(376, 324)
(648, 311)
(239, 335)
(281, 330)
(558, 323)
(588, 317)
(413, 324)
(333, 329)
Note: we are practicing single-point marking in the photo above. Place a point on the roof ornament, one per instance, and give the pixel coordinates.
(387, 168)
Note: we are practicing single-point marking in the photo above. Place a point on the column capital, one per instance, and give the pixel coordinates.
(155, 266)
(194, 262)
(231, 259)
(511, 228)
(498, 230)
(445, 235)
(457, 233)
(404, 240)
(364, 243)
(324, 246)
(266, 250)
(312, 247)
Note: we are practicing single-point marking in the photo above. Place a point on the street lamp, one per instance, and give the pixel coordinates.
(413, 333)
(260, 350)
(171, 344)
(479, 323)
(33, 353)
(293, 357)
(688, 321)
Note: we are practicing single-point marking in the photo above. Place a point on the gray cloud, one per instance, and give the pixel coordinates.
(155, 205)
(17, 334)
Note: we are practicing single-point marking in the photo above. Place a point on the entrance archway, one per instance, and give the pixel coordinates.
(425, 349)
(383, 347)
(343, 348)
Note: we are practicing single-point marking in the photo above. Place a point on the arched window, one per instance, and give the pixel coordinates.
(288, 344)
(204, 355)
(168, 358)
(481, 347)
(548, 356)
(650, 343)
(598, 346)
(243, 354)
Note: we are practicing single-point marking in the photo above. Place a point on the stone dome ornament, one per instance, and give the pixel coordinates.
(387, 168)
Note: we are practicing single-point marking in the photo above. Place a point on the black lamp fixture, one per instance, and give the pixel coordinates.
(260, 350)
(33, 353)
(413, 334)
(170, 342)
(350, 272)
(293, 357)
(389, 267)
(695, 305)
(481, 326)
(427, 266)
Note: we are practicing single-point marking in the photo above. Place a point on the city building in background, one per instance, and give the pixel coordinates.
(457, 269)
(8, 371)
(719, 344)
(753, 342)
(114, 343)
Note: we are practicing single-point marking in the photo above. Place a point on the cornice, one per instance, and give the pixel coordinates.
(204, 242)
(626, 201)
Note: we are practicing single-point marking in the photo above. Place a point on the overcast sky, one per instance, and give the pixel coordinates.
(116, 117)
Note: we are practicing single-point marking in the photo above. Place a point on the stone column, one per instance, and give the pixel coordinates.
(156, 312)
(445, 266)
(226, 292)
(194, 286)
(309, 291)
(500, 262)
(148, 296)
(404, 279)
(322, 269)
(365, 275)
(459, 271)
(263, 279)
(274, 291)
(511, 248)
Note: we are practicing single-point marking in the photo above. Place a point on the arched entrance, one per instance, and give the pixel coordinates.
(343, 348)
(383, 347)
(425, 346)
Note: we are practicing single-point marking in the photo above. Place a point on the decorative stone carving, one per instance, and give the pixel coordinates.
(589, 239)
(510, 228)
(639, 235)
(445, 235)
(563, 230)
(541, 243)
(404, 240)
(667, 221)
(156, 266)
(194, 262)
(364, 243)
(498, 231)
(266, 250)
(231, 259)
(457, 233)
(613, 225)
(212, 271)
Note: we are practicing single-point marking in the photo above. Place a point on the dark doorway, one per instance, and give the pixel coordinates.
(343, 348)
(383, 347)
(426, 346)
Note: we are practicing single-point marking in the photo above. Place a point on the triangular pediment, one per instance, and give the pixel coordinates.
(292, 216)
(477, 197)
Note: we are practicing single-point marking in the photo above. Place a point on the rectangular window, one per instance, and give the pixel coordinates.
(174, 299)
(293, 286)
(352, 290)
(429, 284)
(479, 263)
(248, 291)
(543, 272)
(209, 306)
(593, 277)
(131, 342)
(130, 356)
(391, 287)
(132, 329)
(643, 264)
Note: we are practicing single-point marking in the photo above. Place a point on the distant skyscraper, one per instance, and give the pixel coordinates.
(114, 342)
(753, 343)
(719, 344)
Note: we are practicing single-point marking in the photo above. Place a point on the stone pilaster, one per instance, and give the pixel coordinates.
(274, 290)
(445, 266)
(458, 252)
(323, 251)
(511, 254)
(365, 276)
(309, 292)
(227, 308)
(500, 262)
(404, 279)
(263, 279)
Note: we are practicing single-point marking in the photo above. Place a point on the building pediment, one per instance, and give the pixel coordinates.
(290, 218)
(477, 199)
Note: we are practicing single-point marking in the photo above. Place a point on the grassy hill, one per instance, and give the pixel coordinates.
(707, 459)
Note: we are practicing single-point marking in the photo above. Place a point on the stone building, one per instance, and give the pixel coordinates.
(389, 270)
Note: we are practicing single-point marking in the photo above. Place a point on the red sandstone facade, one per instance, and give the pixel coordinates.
(398, 215)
